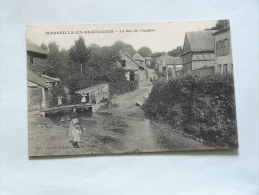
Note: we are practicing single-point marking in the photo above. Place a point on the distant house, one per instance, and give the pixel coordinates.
(198, 52)
(223, 51)
(169, 65)
(135, 70)
(139, 59)
(174, 66)
(161, 63)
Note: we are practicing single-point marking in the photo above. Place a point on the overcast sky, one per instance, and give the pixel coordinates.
(163, 36)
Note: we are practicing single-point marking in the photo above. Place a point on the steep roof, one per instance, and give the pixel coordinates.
(32, 47)
(200, 41)
(125, 54)
(223, 29)
(138, 57)
(132, 65)
(173, 60)
(35, 79)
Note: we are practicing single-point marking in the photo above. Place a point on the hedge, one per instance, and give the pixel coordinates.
(202, 107)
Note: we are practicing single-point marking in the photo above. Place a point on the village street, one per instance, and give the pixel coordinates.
(122, 129)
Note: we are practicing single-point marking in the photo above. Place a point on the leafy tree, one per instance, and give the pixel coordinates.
(79, 53)
(157, 54)
(145, 51)
(94, 45)
(44, 46)
(119, 45)
(176, 52)
(54, 59)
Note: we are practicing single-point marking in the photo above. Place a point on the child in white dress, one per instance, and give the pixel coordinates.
(76, 132)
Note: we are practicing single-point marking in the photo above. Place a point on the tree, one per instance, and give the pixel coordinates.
(119, 45)
(94, 45)
(53, 59)
(145, 51)
(80, 54)
(44, 46)
(157, 54)
(176, 52)
(220, 24)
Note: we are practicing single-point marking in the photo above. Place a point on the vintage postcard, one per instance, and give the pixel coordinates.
(130, 88)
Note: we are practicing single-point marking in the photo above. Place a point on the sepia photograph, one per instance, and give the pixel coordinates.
(122, 88)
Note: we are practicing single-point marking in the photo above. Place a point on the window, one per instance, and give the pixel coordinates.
(222, 47)
(31, 60)
(226, 44)
(219, 69)
(123, 63)
(219, 47)
(132, 76)
(226, 47)
(225, 69)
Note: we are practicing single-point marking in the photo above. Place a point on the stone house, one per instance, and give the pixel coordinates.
(223, 51)
(135, 70)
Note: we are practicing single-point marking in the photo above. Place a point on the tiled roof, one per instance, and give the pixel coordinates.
(138, 57)
(125, 54)
(35, 48)
(201, 40)
(35, 79)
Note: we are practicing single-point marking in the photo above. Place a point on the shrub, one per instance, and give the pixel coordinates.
(203, 107)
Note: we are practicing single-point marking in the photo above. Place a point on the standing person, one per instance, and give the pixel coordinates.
(74, 121)
(83, 100)
(76, 135)
(59, 101)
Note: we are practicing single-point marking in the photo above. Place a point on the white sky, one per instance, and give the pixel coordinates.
(167, 35)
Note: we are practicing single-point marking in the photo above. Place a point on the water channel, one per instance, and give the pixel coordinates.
(109, 133)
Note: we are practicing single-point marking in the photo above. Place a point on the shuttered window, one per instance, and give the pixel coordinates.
(225, 47)
(222, 48)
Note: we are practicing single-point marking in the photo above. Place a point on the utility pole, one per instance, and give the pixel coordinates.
(166, 71)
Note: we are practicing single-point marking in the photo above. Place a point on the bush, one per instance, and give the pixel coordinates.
(203, 107)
